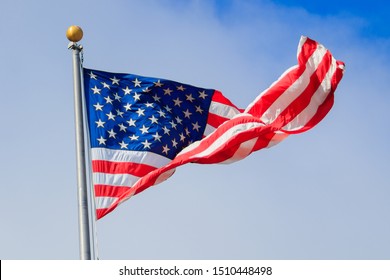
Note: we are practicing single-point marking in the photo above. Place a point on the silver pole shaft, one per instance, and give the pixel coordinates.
(84, 229)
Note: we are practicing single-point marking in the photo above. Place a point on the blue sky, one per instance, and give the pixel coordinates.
(373, 14)
(319, 195)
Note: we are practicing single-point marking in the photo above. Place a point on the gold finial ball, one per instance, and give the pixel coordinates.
(74, 33)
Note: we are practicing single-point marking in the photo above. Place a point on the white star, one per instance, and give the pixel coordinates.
(167, 91)
(137, 96)
(157, 137)
(112, 133)
(105, 85)
(174, 143)
(147, 90)
(127, 106)
(199, 109)
(165, 149)
(108, 99)
(134, 137)
(119, 113)
(182, 137)
(127, 90)
(98, 107)
(92, 75)
(137, 83)
(181, 88)
(140, 112)
(153, 119)
(169, 109)
(96, 90)
(178, 120)
(131, 122)
(156, 98)
(195, 126)
(166, 130)
(144, 129)
(117, 96)
(187, 131)
(122, 127)
(187, 114)
(115, 81)
(189, 97)
(147, 104)
(202, 94)
(177, 101)
(162, 113)
(173, 124)
(111, 116)
(146, 144)
(123, 144)
(158, 84)
(100, 123)
(102, 141)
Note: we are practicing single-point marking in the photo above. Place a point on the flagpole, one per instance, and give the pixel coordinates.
(75, 34)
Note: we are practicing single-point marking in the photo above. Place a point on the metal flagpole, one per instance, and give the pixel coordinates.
(74, 34)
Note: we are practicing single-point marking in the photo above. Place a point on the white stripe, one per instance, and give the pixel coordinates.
(148, 158)
(317, 99)
(123, 180)
(164, 176)
(226, 136)
(190, 147)
(242, 152)
(277, 138)
(287, 97)
(103, 202)
(302, 41)
(256, 100)
(223, 110)
(209, 128)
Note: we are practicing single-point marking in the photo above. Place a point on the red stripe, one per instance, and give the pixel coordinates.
(230, 147)
(325, 107)
(136, 169)
(303, 100)
(220, 98)
(307, 50)
(100, 213)
(215, 120)
(110, 191)
(263, 141)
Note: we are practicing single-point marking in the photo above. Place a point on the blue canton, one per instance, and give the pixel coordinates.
(130, 112)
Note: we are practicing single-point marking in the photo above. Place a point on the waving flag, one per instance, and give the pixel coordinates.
(142, 128)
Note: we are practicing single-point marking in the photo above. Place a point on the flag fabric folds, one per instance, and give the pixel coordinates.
(142, 128)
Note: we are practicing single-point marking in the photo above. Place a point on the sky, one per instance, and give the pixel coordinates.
(323, 194)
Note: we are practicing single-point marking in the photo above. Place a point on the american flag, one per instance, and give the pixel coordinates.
(142, 128)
